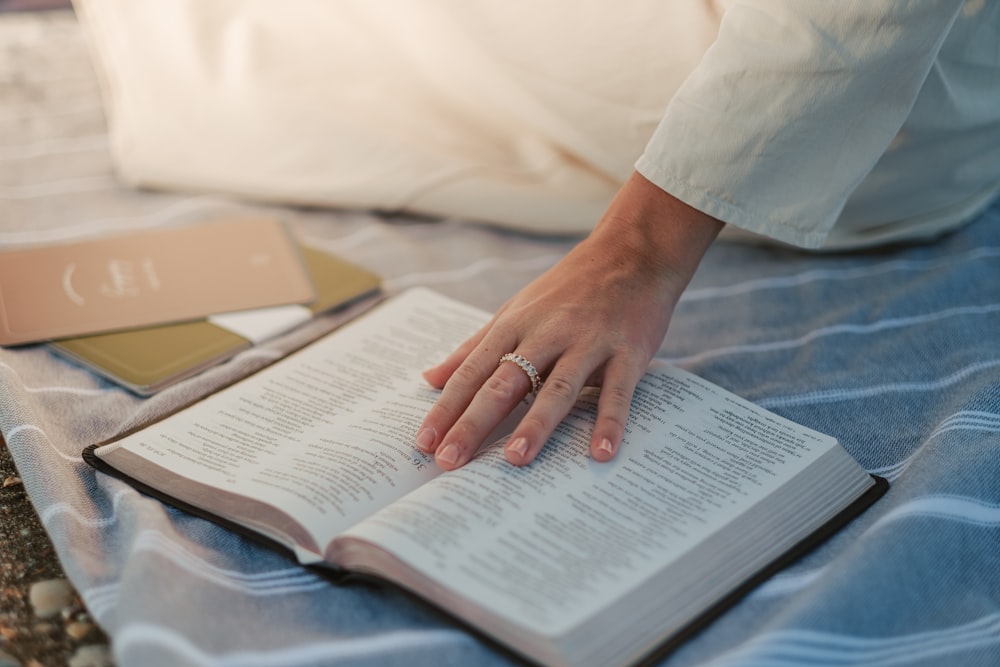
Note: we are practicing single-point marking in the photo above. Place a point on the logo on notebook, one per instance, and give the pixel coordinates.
(124, 278)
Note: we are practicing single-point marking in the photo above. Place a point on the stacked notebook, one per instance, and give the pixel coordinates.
(147, 309)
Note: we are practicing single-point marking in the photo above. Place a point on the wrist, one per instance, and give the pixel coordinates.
(656, 227)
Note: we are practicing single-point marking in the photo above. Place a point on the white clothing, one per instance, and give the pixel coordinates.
(839, 124)
(772, 115)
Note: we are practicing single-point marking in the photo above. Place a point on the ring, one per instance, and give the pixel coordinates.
(526, 366)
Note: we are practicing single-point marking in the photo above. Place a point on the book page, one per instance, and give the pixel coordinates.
(549, 545)
(326, 435)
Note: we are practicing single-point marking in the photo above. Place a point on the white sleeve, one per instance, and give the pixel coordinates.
(791, 107)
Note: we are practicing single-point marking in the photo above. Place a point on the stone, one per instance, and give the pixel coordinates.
(77, 630)
(91, 656)
(49, 597)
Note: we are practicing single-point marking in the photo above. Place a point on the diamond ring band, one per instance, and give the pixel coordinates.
(526, 366)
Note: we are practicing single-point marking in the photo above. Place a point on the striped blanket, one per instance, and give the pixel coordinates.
(896, 352)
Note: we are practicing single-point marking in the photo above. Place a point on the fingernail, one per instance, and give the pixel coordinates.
(605, 446)
(448, 455)
(425, 438)
(518, 446)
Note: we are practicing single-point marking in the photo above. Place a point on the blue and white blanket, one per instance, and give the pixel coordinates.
(895, 352)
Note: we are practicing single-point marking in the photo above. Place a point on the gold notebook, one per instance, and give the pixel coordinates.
(149, 359)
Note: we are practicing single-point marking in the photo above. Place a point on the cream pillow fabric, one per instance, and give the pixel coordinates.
(517, 113)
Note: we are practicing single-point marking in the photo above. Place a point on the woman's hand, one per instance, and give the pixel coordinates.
(595, 318)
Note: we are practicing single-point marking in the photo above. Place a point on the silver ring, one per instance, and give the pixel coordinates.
(526, 366)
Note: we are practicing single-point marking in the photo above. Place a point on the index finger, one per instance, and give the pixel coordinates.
(438, 375)
(461, 376)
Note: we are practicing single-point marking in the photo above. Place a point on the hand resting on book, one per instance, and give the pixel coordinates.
(595, 318)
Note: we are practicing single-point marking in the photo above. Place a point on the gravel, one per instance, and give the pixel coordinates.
(43, 622)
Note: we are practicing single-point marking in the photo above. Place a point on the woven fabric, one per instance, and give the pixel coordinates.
(893, 351)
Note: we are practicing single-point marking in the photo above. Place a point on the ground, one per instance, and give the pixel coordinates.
(43, 622)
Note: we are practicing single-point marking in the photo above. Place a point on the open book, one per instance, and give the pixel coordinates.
(566, 561)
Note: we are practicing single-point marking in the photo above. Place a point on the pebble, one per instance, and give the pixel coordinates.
(91, 656)
(49, 597)
(11, 480)
(6, 660)
(77, 630)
